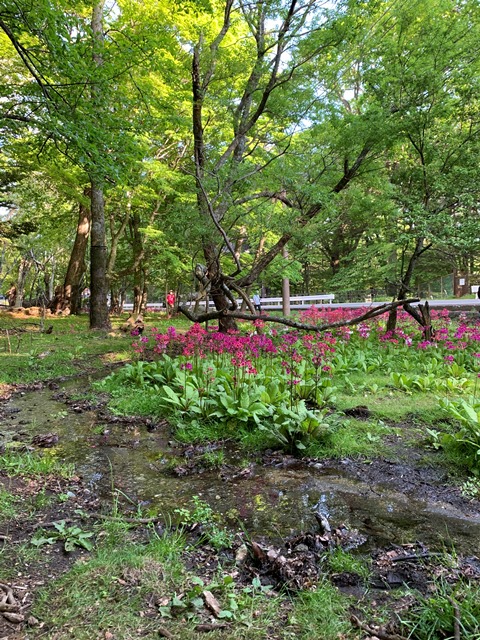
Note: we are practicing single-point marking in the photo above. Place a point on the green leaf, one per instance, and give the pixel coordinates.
(225, 613)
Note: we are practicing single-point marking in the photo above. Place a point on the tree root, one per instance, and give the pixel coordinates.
(9, 607)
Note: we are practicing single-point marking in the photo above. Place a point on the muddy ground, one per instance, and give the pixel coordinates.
(296, 564)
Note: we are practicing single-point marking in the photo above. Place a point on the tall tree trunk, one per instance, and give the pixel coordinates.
(98, 250)
(99, 318)
(50, 280)
(212, 259)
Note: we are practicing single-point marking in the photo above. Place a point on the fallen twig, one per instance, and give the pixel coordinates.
(414, 556)
(378, 633)
(456, 618)
(211, 627)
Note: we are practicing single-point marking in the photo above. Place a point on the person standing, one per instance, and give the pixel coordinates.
(257, 303)
(170, 303)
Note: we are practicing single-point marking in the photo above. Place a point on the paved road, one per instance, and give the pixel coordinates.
(442, 304)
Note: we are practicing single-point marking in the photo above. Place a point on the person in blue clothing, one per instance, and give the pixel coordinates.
(256, 303)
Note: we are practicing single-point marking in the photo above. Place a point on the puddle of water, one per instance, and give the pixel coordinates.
(275, 502)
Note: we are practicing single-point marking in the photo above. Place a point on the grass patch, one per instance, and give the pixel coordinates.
(22, 558)
(108, 590)
(350, 437)
(8, 505)
(340, 561)
(322, 613)
(28, 355)
(126, 589)
(128, 401)
(34, 464)
(394, 405)
(433, 617)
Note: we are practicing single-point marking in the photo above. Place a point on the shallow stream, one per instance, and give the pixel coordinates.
(272, 501)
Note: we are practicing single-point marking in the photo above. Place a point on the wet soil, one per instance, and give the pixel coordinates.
(387, 499)
(401, 514)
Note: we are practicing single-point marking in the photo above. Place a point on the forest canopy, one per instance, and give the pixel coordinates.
(216, 147)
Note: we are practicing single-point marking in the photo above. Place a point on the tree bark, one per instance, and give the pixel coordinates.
(23, 269)
(99, 318)
(139, 273)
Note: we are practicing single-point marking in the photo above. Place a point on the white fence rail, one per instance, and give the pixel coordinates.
(296, 302)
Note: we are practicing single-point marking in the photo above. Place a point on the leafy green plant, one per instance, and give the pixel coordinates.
(295, 430)
(72, 537)
(245, 407)
(465, 411)
(471, 488)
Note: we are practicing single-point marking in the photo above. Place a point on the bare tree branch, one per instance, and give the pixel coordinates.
(238, 315)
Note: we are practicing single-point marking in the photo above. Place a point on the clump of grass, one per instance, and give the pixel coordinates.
(451, 611)
(340, 561)
(34, 464)
(8, 505)
(108, 590)
(128, 401)
(213, 459)
(213, 530)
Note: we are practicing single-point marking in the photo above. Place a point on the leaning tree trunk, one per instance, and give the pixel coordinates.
(423, 320)
(70, 295)
(217, 287)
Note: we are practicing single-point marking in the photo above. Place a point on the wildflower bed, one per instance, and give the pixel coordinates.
(287, 387)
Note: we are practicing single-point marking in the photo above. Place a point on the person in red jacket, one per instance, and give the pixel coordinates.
(170, 303)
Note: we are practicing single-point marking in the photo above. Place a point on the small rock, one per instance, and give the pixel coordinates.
(241, 554)
(32, 621)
